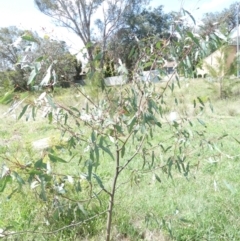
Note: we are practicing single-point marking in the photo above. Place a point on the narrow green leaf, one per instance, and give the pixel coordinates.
(97, 196)
(195, 40)
(210, 105)
(223, 136)
(89, 165)
(18, 178)
(158, 45)
(78, 187)
(29, 38)
(201, 122)
(158, 124)
(99, 181)
(80, 206)
(11, 194)
(40, 164)
(75, 109)
(50, 117)
(107, 150)
(98, 56)
(176, 101)
(190, 123)
(3, 182)
(131, 123)
(190, 15)
(47, 77)
(119, 129)
(7, 98)
(194, 103)
(91, 154)
(131, 52)
(33, 112)
(148, 64)
(54, 158)
(23, 112)
(96, 149)
(200, 100)
(178, 81)
(123, 151)
(236, 140)
(157, 178)
(50, 101)
(32, 76)
(93, 136)
(153, 158)
(43, 192)
(65, 118)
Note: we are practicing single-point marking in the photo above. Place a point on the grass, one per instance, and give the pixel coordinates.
(203, 206)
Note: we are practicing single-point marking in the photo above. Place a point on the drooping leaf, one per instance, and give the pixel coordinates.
(43, 195)
(50, 117)
(105, 148)
(200, 100)
(158, 45)
(131, 123)
(131, 52)
(11, 194)
(99, 181)
(29, 37)
(7, 98)
(40, 164)
(3, 182)
(18, 178)
(89, 165)
(223, 136)
(78, 187)
(157, 178)
(123, 151)
(201, 122)
(32, 76)
(236, 140)
(50, 102)
(195, 40)
(210, 105)
(190, 15)
(93, 136)
(39, 59)
(47, 77)
(54, 158)
(23, 111)
(80, 206)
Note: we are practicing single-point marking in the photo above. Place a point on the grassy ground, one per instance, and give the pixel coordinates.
(203, 206)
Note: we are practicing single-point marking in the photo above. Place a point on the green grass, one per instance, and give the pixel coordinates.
(203, 206)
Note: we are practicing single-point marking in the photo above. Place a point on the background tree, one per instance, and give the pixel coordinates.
(27, 56)
(11, 46)
(224, 21)
(78, 16)
(151, 24)
(15, 52)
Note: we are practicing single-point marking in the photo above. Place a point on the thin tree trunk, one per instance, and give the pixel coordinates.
(112, 195)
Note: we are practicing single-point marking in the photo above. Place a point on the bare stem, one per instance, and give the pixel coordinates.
(112, 195)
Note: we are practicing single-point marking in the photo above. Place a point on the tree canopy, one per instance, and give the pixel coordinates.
(78, 16)
(224, 21)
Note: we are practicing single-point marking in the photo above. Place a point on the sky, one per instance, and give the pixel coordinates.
(24, 14)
